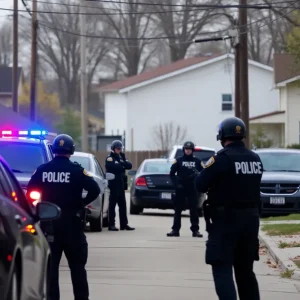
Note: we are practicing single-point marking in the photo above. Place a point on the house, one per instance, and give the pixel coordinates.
(197, 93)
(6, 85)
(283, 125)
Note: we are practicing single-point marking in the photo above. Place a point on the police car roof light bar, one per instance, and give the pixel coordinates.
(24, 133)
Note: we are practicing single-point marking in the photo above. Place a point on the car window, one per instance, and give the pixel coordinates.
(157, 167)
(23, 157)
(98, 167)
(280, 161)
(50, 151)
(83, 161)
(12, 188)
(203, 155)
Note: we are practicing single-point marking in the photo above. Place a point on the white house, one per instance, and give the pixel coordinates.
(197, 93)
(283, 125)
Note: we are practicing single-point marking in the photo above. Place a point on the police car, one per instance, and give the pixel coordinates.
(24, 151)
(202, 153)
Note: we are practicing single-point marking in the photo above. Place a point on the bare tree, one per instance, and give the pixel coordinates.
(168, 134)
(59, 47)
(183, 24)
(130, 25)
(6, 44)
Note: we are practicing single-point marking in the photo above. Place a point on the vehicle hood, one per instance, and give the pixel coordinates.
(281, 177)
(23, 178)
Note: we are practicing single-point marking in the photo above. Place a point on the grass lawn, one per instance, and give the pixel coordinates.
(297, 262)
(281, 229)
(291, 217)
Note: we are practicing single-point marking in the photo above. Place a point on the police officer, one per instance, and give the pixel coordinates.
(232, 180)
(187, 166)
(117, 163)
(61, 181)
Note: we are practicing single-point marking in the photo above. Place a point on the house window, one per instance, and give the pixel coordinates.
(226, 102)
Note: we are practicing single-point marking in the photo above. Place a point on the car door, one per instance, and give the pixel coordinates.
(105, 186)
(31, 236)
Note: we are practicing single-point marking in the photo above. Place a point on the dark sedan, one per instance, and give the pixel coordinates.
(152, 187)
(24, 251)
(280, 185)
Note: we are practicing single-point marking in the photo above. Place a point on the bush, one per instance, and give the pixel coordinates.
(293, 146)
(259, 139)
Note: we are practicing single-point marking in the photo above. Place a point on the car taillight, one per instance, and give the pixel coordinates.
(141, 181)
(35, 197)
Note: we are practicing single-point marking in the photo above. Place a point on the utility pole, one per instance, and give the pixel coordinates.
(34, 28)
(244, 81)
(237, 96)
(83, 79)
(15, 58)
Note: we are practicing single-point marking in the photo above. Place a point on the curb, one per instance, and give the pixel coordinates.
(280, 257)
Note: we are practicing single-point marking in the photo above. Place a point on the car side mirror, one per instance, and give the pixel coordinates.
(47, 211)
(131, 172)
(109, 176)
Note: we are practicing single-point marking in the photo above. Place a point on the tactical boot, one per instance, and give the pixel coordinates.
(173, 233)
(197, 234)
(113, 228)
(127, 227)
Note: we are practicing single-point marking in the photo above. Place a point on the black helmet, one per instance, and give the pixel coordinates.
(231, 128)
(63, 144)
(116, 144)
(188, 145)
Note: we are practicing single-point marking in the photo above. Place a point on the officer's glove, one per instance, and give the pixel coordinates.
(123, 156)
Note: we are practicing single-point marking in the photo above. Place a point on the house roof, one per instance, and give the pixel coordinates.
(285, 68)
(167, 71)
(267, 115)
(10, 119)
(6, 79)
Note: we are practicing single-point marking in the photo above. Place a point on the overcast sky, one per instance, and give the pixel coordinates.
(8, 4)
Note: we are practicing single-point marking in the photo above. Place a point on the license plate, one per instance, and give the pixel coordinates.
(277, 200)
(166, 195)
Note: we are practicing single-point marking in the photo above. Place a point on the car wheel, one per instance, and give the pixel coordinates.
(135, 210)
(14, 290)
(96, 225)
(105, 221)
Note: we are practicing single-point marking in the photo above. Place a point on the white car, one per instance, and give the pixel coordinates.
(203, 153)
(98, 209)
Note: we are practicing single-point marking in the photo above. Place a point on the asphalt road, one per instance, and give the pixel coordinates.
(145, 264)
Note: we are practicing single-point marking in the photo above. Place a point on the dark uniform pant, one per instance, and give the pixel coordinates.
(75, 247)
(233, 244)
(117, 196)
(189, 194)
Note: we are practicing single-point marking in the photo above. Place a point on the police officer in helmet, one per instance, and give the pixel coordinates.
(61, 182)
(117, 164)
(187, 166)
(232, 179)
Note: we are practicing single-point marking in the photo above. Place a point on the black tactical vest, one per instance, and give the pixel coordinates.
(239, 187)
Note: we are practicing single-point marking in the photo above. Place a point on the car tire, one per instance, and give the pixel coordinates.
(15, 284)
(96, 225)
(135, 210)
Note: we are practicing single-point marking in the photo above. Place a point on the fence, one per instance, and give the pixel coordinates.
(135, 157)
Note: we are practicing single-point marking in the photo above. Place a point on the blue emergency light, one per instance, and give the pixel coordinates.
(24, 133)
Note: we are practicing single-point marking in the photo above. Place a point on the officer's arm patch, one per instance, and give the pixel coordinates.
(210, 162)
(86, 173)
(109, 159)
(202, 164)
(174, 162)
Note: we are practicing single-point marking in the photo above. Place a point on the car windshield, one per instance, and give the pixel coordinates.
(280, 161)
(203, 155)
(159, 167)
(83, 161)
(22, 157)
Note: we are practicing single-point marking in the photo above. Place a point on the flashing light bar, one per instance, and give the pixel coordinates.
(24, 133)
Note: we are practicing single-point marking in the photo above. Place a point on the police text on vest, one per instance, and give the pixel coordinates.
(61, 177)
(249, 167)
(190, 164)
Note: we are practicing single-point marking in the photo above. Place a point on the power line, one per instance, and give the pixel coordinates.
(26, 7)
